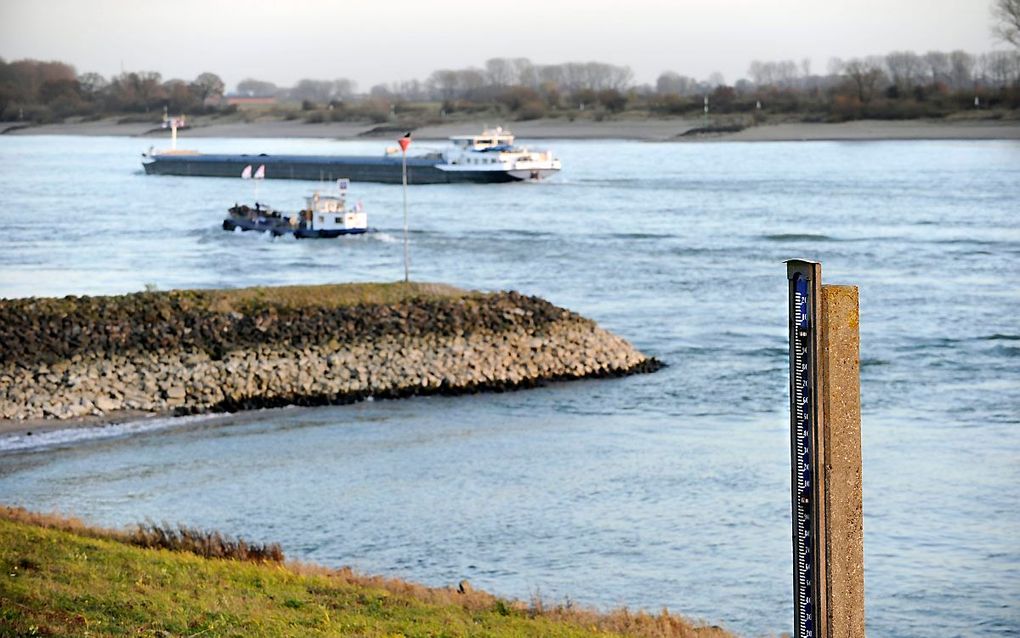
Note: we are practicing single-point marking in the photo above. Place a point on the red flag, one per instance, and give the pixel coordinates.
(404, 142)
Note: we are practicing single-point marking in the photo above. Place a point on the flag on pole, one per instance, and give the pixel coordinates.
(246, 173)
(260, 173)
(405, 141)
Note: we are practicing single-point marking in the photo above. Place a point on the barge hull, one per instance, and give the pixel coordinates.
(385, 170)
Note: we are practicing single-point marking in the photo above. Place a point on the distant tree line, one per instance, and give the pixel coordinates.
(47, 91)
(900, 84)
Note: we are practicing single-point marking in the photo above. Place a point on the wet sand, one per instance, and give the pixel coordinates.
(630, 129)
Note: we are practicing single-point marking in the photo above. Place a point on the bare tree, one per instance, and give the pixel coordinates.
(256, 88)
(1007, 16)
(443, 84)
(500, 72)
(866, 75)
(343, 89)
(671, 82)
(905, 68)
(961, 67)
(207, 85)
(470, 80)
(780, 74)
(92, 84)
(322, 91)
(938, 66)
(525, 72)
(1000, 68)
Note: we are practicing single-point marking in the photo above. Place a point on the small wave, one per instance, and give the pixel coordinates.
(519, 232)
(872, 363)
(797, 237)
(385, 238)
(1010, 352)
(769, 352)
(1000, 337)
(639, 235)
(73, 434)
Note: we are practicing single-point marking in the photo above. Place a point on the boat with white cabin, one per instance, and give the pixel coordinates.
(494, 151)
(324, 216)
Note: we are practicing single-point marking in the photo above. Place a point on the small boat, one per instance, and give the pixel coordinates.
(324, 216)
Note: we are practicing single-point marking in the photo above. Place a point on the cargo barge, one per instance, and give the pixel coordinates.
(490, 157)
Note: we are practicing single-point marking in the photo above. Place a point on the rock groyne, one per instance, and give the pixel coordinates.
(200, 351)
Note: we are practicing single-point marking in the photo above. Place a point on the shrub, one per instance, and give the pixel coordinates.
(531, 110)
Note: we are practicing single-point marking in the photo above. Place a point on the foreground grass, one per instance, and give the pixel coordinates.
(79, 583)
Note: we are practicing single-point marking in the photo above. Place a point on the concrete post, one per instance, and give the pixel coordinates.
(843, 518)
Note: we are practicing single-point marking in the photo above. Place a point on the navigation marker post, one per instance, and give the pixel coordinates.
(825, 446)
(404, 143)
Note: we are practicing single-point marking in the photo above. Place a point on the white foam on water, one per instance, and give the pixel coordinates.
(385, 238)
(77, 434)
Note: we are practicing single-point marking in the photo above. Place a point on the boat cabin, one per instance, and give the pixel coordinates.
(327, 212)
(488, 139)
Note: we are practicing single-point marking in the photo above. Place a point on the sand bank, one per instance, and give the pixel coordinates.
(659, 130)
(877, 130)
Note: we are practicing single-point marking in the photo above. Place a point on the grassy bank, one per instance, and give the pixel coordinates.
(62, 578)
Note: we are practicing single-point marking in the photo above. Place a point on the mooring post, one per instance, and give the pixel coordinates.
(825, 445)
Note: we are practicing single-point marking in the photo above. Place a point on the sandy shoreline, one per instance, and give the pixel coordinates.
(643, 130)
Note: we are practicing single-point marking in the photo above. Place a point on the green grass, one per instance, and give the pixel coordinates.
(63, 583)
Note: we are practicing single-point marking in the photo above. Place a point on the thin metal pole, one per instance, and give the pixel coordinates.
(407, 261)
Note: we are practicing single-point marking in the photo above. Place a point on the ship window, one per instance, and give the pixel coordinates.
(321, 218)
(338, 220)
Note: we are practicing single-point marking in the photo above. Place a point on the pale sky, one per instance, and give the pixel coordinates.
(373, 41)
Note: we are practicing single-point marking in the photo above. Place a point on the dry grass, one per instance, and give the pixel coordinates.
(156, 536)
(620, 621)
(203, 543)
(327, 295)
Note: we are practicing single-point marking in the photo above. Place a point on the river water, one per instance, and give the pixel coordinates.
(664, 490)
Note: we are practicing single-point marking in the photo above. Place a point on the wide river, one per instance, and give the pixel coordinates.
(663, 490)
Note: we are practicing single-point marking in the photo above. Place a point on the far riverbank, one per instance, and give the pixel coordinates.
(636, 129)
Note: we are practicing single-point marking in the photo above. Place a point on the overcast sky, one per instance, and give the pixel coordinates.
(373, 41)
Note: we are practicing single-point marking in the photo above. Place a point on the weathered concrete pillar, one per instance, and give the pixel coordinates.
(841, 455)
(825, 444)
